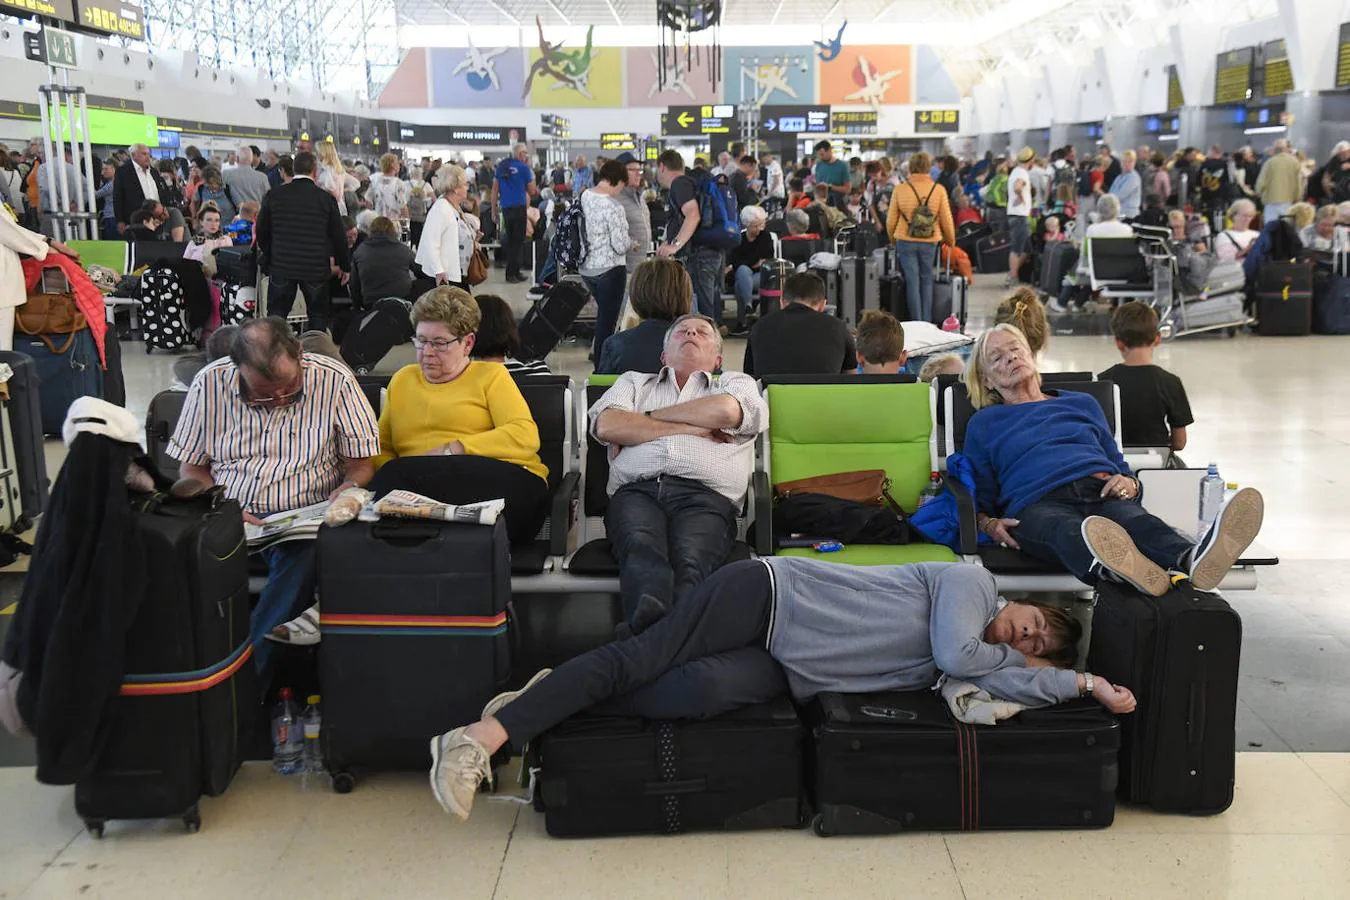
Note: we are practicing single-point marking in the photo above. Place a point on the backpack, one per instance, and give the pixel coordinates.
(1085, 181)
(1063, 177)
(922, 221)
(417, 204)
(569, 239)
(997, 192)
(718, 222)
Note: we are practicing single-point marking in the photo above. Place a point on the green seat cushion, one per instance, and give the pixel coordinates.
(822, 429)
(601, 380)
(112, 254)
(879, 554)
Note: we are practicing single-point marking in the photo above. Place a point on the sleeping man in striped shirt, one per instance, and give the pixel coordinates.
(278, 429)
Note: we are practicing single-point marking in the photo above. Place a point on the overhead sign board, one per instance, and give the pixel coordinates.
(52, 9)
(1277, 78)
(459, 135)
(853, 122)
(793, 119)
(551, 125)
(619, 140)
(719, 118)
(121, 17)
(1233, 76)
(937, 121)
(219, 129)
(1175, 98)
(1343, 58)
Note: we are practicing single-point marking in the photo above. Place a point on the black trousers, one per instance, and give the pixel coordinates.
(317, 294)
(513, 240)
(692, 657)
(469, 479)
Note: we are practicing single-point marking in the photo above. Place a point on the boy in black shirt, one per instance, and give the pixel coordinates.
(1154, 410)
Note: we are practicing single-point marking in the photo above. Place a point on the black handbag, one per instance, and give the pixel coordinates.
(822, 516)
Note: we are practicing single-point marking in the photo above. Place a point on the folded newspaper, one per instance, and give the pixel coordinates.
(415, 506)
(293, 525)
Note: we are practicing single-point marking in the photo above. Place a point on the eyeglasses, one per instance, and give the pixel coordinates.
(440, 345)
(284, 398)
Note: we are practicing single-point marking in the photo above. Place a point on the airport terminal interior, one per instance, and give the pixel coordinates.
(1235, 120)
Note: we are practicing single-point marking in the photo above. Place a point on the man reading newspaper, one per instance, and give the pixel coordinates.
(279, 430)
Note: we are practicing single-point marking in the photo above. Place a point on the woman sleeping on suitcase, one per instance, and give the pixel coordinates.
(832, 627)
(1051, 481)
(458, 430)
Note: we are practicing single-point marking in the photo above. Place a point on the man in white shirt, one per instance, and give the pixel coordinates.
(682, 451)
(775, 187)
(1019, 211)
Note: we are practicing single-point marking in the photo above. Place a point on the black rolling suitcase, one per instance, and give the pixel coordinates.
(23, 421)
(188, 696)
(970, 234)
(991, 253)
(1179, 655)
(415, 642)
(1284, 298)
(67, 367)
(773, 274)
(548, 321)
(377, 331)
(892, 296)
(1331, 305)
(1060, 259)
(605, 775)
(892, 762)
(160, 420)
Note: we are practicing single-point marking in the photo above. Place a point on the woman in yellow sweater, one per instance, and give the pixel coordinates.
(916, 238)
(456, 429)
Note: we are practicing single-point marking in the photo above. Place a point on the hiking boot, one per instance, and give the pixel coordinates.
(1115, 552)
(1232, 532)
(495, 705)
(459, 764)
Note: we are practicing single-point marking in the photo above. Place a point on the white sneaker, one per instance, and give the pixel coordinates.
(459, 764)
(1232, 532)
(495, 705)
(1055, 306)
(1113, 548)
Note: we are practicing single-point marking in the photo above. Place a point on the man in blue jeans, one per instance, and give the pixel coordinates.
(681, 452)
(705, 264)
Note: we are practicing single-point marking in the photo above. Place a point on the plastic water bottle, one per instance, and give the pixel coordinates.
(951, 323)
(1211, 500)
(288, 747)
(312, 725)
(931, 489)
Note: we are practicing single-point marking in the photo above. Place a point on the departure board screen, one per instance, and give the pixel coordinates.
(1233, 76)
(1343, 58)
(1277, 76)
(1175, 98)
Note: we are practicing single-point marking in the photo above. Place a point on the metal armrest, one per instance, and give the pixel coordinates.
(965, 511)
(563, 502)
(762, 499)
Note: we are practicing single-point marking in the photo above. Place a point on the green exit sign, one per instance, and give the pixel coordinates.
(60, 48)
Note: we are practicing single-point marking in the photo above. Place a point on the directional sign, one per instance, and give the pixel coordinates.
(853, 122)
(937, 121)
(52, 9)
(618, 140)
(710, 118)
(120, 17)
(793, 119)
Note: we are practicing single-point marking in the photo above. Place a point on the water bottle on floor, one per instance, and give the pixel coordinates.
(1211, 500)
(312, 723)
(951, 323)
(287, 736)
(931, 489)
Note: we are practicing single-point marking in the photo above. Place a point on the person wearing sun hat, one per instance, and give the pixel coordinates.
(1019, 211)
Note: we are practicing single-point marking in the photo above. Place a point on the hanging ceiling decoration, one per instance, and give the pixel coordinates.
(688, 17)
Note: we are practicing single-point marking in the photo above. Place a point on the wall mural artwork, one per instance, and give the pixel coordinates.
(828, 50)
(770, 75)
(587, 76)
(642, 75)
(872, 75)
(569, 69)
(477, 77)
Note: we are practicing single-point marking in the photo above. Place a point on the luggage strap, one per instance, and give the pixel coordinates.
(166, 684)
(968, 754)
(668, 766)
(416, 626)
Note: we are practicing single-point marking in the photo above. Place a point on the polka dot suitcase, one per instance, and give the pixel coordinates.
(163, 311)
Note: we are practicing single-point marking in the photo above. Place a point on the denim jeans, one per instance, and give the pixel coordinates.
(1050, 528)
(607, 289)
(726, 614)
(915, 260)
(1274, 211)
(705, 265)
(550, 269)
(668, 535)
(747, 282)
(292, 573)
(317, 294)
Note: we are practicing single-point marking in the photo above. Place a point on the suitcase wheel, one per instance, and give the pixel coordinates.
(95, 828)
(818, 826)
(343, 782)
(192, 820)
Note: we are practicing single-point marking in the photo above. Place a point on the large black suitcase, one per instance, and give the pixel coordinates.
(67, 367)
(991, 253)
(1331, 305)
(189, 692)
(607, 775)
(892, 296)
(1059, 260)
(1284, 298)
(161, 419)
(24, 414)
(891, 762)
(415, 637)
(548, 320)
(970, 234)
(377, 331)
(1179, 655)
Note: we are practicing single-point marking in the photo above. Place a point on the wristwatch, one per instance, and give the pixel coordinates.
(1089, 684)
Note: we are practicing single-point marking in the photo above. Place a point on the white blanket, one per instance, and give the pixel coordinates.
(974, 705)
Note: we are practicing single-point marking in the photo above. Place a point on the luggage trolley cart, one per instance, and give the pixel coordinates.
(1220, 307)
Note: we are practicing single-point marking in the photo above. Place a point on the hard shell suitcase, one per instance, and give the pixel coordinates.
(1225, 278)
(1331, 305)
(951, 295)
(883, 763)
(851, 275)
(67, 368)
(891, 295)
(608, 775)
(163, 310)
(1284, 298)
(1178, 654)
(189, 692)
(1059, 260)
(23, 413)
(415, 637)
(991, 253)
(160, 420)
(1207, 312)
(969, 235)
(548, 320)
(380, 329)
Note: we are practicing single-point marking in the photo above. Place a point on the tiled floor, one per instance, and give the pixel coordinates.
(1271, 411)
